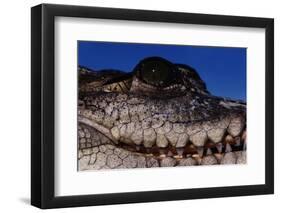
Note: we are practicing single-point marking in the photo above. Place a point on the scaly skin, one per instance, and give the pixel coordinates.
(129, 121)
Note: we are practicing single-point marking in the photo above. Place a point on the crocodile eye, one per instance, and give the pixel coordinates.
(156, 72)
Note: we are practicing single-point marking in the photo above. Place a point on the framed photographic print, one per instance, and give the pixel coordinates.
(140, 106)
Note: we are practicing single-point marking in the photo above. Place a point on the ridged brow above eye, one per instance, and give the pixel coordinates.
(156, 72)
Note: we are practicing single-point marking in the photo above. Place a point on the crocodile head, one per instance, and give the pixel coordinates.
(160, 114)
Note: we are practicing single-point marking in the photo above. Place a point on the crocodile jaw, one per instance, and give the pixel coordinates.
(152, 142)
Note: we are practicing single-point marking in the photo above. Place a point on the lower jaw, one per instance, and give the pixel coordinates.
(111, 157)
(123, 156)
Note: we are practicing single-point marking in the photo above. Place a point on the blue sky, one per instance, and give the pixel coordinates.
(222, 68)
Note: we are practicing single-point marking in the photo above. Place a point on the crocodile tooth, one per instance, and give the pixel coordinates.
(218, 156)
(200, 151)
(237, 141)
(180, 151)
(219, 147)
(209, 152)
(170, 154)
(162, 156)
(244, 145)
(178, 156)
(197, 158)
(228, 148)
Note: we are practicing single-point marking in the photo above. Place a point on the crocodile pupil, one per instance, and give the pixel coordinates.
(156, 73)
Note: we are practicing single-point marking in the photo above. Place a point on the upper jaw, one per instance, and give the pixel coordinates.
(147, 125)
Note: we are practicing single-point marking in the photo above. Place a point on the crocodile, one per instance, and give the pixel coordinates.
(160, 114)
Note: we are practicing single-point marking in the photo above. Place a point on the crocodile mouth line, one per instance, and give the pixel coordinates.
(228, 144)
(229, 150)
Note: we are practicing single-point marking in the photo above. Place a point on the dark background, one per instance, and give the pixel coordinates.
(222, 68)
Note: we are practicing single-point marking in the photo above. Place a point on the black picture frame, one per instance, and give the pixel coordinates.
(43, 102)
